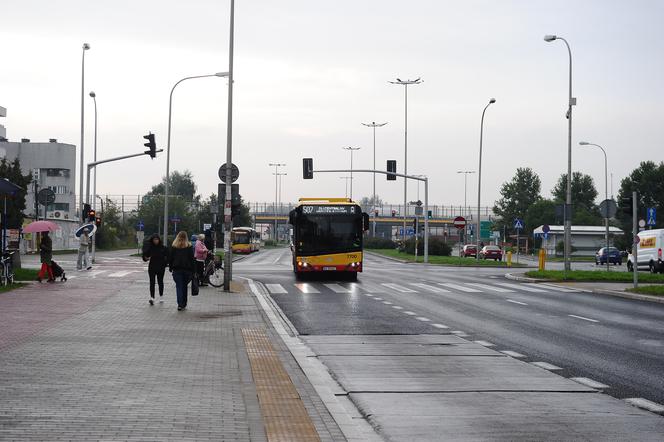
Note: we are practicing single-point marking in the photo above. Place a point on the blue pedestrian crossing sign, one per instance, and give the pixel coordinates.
(518, 224)
(652, 216)
(140, 225)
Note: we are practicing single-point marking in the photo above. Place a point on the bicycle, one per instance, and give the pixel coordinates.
(7, 276)
(214, 271)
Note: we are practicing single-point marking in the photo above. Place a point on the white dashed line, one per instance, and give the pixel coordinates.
(387, 303)
(397, 307)
(485, 343)
(439, 325)
(410, 313)
(583, 317)
(546, 366)
(377, 299)
(590, 383)
(514, 354)
(423, 319)
(646, 404)
(516, 302)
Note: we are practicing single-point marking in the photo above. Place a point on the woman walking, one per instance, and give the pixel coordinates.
(45, 256)
(157, 255)
(200, 253)
(182, 264)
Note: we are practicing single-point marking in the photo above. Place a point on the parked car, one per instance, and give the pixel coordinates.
(649, 251)
(491, 252)
(614, 256)
(469, 250)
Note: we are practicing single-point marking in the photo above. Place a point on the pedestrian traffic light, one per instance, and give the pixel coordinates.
(85, 212)
(92, 215)
(151, 145)
(626, 204)
(307, 168)
(391, 169)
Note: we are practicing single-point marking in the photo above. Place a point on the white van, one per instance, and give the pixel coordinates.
(651, 243)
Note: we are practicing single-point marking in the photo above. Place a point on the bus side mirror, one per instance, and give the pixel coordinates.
(291, 217)
(365, 221)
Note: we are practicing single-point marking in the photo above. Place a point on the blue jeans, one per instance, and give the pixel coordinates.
(181, 282)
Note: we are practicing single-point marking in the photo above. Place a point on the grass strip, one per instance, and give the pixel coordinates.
(25, 274)
(9, 288)
(656, 290)
(594, 276)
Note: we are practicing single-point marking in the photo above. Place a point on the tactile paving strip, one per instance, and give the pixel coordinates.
(284, 414)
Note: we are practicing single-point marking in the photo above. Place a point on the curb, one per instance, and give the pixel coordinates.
(616, 293)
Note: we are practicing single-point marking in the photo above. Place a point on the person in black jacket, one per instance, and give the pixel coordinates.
(182, 264)
(157, 254)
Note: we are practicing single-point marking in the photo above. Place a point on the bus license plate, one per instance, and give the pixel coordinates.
(329, 268)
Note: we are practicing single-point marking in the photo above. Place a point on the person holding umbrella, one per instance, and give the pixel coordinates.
(45, 256)
(84, 242)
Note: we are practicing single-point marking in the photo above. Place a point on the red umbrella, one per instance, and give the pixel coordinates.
(41, 226)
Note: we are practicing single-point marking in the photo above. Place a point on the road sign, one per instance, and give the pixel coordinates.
(459, 222)
(608, 208)
(642, 223)
(46, 197)
(175, 219)
(518, 224)
(235, 173)
(409, 231)
(419, 211)
(637, 239)
(546, 229)
(140, 225)
(652, 216)
(207, 226)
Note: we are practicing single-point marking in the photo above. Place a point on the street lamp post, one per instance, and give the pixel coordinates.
(568, 199)
(405, 84)
(374, 125)
(168, 147)
(351, 149)
(94, 182)
(82, 155)
(479, 182)
(465, 189)
(345, 178)
(606, 198)
(276, 194)
(279, 175)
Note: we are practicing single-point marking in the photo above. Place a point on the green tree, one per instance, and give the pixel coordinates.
(584, 192)
(648, 181)
(243, 218)
(113, 232)
(517, 196)
(180, 183)
(11, 170)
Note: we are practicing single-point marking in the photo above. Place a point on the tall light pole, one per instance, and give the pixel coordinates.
(82, 156)
(168, 147)
(94, 185)
(279, 175)
(351, 149)
(568, 199)
(374, 125)
(405, 84)
(479, 182)
(606, 197)
(276, 194)
(465, 189)
(346, 178)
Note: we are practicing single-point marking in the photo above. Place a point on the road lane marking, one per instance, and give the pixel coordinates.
(307, 288)
(122, 273)
(408, 312)
(430, 288)
(514, 354)
(546, 366)
(558, 288)
(276, 288)
(276, 261)
(485, 343)
(398, 288)
(490, 287)
(423, 319)
(387, 303)
(524, 287)
(377, 298)
(583, 317)
(459, 287)
(370, 287)
(439, 325)
(590, 383)
(646, 404)
(397, 307)
(516, 302)
(337, 288)
(459, 332)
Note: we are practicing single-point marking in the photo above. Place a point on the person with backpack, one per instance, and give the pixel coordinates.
(45, 256)
(181, 264)
(156, 254)
(201, 254)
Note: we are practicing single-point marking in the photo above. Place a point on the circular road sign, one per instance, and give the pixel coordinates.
(235, 173)
(608, 208)
(642, 223)
(459, 222)
(637, 239)
(546, 228)
(46, 197)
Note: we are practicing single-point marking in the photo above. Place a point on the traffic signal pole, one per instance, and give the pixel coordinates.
(228, 257)
(635, 245)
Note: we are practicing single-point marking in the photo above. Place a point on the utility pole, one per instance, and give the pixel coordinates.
(228, 251)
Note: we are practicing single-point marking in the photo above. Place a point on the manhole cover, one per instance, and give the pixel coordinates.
(223, 314)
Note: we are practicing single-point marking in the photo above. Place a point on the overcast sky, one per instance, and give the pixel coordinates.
(308, 73)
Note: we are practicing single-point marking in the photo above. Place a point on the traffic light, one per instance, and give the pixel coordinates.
(85, 212)
(151, 145)
(307, 168)
(92, 215)
(391, 168)
(626, 204)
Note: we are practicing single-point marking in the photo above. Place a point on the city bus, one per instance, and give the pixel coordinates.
(327, 236)
(245, 240)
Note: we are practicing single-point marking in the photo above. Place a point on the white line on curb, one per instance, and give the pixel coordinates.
(546, 366)
(583, 317)
(646, 404)
(439, 326)
(590, 383)
(514, 354)
(410, 313)
(423, 319)
(485, 343)
(397, 307)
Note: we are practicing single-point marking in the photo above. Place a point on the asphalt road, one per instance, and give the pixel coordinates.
(612, 341)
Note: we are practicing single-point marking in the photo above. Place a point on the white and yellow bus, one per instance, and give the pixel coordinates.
(245, 240)
(327, 236)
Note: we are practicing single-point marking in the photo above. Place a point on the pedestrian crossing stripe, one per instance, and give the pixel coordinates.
(276, 288)
(524, 287)
(430, 288)
(336, 288)
(459, 287)
(398, 288)
(558, 288)
(307, 288)
(490, 287)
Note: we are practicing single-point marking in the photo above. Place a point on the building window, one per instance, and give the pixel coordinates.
(64, 173)
(64, 207)
(59, 190)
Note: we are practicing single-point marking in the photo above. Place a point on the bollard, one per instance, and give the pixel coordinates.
(509, 259)
(542, 259)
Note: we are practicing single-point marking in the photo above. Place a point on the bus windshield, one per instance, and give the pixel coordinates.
(240, 237)
(328, 234)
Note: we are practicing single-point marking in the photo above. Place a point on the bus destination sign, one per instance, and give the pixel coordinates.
(329, 210)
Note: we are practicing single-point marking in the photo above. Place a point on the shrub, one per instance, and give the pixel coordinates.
(379, 243)
(437, 246)
(270, 243)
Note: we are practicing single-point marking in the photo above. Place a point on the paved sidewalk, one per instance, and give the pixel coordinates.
(91, 360)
